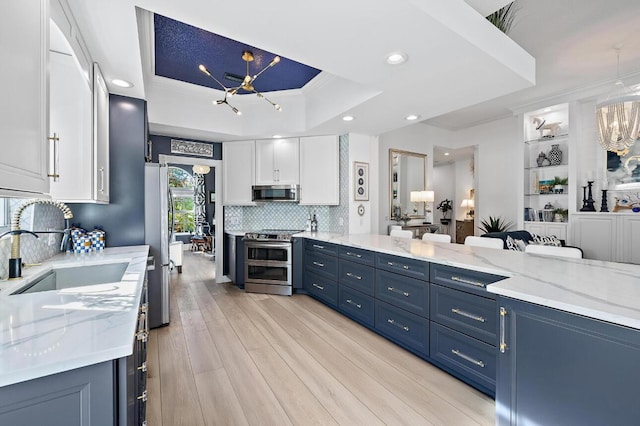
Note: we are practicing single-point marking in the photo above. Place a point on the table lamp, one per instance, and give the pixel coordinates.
(469, 205)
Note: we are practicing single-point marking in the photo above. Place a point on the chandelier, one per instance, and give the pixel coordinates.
(618, 117)
(247, 83)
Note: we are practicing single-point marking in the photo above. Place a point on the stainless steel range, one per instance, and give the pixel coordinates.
(267, 261)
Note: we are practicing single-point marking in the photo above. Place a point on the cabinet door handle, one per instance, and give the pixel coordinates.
(467, 315)
(318, 264)
(318, 246)
(357, 305)
(395, 290)
(466, 281)
(101, 180)
(55, 161)
(318, 286)
(354, 254)
(503, 343)
(477, 362)
(393, 322)
(357, 277)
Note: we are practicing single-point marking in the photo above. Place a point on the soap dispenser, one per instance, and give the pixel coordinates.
(314, 224)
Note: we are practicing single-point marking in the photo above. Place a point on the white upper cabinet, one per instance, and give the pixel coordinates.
(238, 165)
(24, 106)
(277, 162)
(79, 116)
(319, 170)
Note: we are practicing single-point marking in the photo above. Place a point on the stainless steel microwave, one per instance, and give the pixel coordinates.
(275, 193)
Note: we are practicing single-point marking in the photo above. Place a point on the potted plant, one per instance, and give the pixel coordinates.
(558, 184)
(494, 224)
(445, 207)
(560, 215)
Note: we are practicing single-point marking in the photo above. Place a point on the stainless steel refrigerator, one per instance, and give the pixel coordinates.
(157, 235)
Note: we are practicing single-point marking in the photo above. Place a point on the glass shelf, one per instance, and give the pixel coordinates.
(559, 138)
(557, 166)
(548, 193)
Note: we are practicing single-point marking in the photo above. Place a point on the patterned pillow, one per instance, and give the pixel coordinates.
(550, 240)
(515, 245)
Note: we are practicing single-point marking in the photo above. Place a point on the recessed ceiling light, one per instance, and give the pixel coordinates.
(348, 118)
(397, 58)
(412, 117)
(121, 83)
(546, 110)
(276, 136)
(446, 153)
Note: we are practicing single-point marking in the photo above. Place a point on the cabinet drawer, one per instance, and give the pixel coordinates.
(467, 313)
(321, 264)
(321, 288)
(321, 246)
(471, 358)
(357, 255)
(410, 267)
(463, 279)
(406, 329)
(356, 305)
(357, 276)
(406, 293)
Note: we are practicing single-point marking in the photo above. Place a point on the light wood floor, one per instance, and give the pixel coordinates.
(235, 358)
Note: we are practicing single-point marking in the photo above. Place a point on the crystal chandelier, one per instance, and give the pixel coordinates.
(618, 117)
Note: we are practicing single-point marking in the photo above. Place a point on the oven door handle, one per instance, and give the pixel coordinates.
(267, 245)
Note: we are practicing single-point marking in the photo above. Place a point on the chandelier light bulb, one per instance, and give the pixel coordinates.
(277, 107)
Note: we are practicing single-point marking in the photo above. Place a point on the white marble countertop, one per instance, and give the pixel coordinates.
(53, 331)
(607, 291)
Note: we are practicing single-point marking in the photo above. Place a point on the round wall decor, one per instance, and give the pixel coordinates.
(361, 210)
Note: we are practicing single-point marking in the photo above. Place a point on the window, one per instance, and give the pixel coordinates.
(181, 185)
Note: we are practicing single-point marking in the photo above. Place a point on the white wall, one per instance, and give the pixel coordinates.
(498, 164)
(364, 148)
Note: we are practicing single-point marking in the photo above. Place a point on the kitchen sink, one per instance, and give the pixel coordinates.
(80, 276)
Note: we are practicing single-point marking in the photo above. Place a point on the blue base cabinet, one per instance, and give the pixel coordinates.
(558, 368)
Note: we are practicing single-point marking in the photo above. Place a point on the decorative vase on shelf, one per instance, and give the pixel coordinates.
(541, 158)
(555, 155)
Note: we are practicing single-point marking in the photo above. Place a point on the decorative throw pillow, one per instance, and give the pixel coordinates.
(550, 240)
(515, 245)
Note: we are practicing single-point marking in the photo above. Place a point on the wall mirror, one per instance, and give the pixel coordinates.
(407, 172)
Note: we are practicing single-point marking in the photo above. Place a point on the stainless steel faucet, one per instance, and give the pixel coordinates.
(15, 261)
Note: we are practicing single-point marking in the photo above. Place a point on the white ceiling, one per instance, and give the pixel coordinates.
(457, 61)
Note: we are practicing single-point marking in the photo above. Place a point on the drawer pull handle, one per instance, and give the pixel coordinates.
(318, 247)
(143, 397)
(477, 362)
(405, 267)
(503, 343)
(357, 305)
(467, 315)
(465, 281)
(318, 286)
(143, 367)
(319, 264)
(357, 277)
(394, 290)
(393, 322)
(390, 263)
(354, 254)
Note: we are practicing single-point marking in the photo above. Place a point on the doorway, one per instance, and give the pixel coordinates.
(214, 198)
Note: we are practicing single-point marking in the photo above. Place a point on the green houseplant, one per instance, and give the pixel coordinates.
(558, 184)
(445, 207)
(494, 224)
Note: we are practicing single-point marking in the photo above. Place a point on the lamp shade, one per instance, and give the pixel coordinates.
(201, 169)
(466, 203)
(421, 196)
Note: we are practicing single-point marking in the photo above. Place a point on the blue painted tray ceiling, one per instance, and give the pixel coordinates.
(181, 48)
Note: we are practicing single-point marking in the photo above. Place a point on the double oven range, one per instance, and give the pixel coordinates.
(267, 261)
